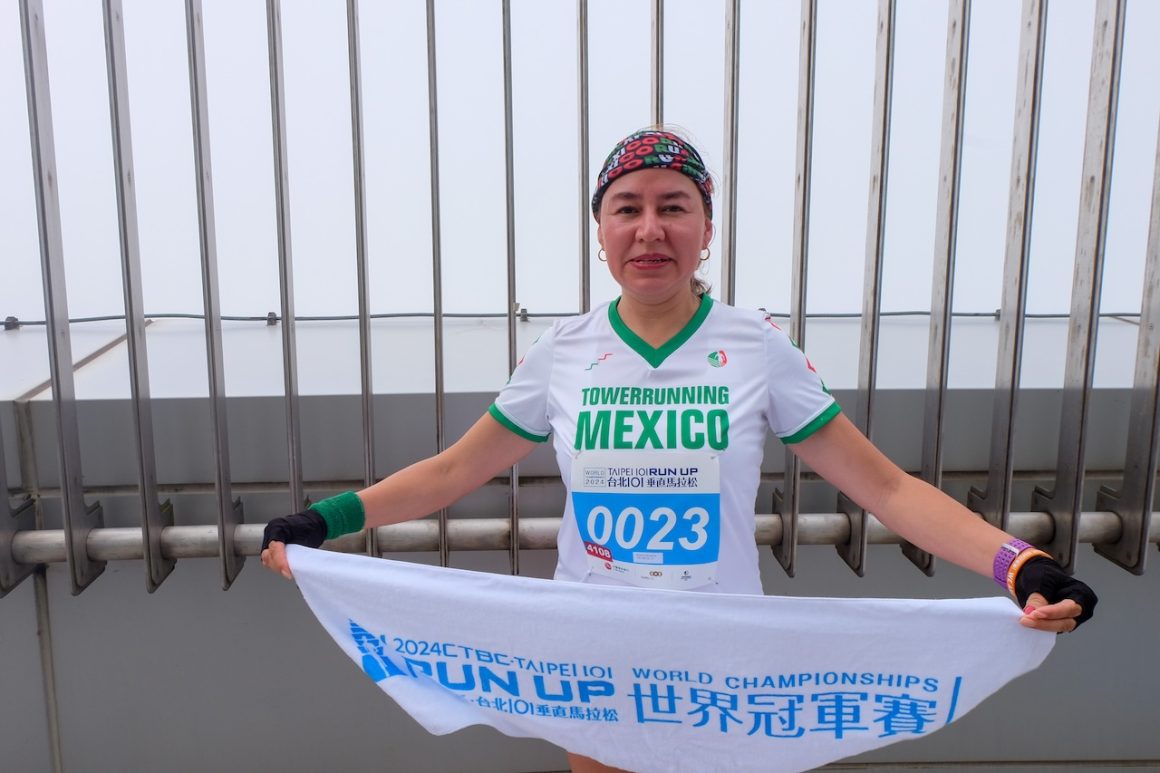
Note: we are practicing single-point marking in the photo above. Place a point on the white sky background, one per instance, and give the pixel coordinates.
(471, 147)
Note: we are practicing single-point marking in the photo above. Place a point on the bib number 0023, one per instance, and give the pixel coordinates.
(649, 529)
(664, 528)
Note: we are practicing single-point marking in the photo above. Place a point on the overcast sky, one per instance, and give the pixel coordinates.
(393, 38)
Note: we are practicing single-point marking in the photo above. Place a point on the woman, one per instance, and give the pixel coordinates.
(657, 405)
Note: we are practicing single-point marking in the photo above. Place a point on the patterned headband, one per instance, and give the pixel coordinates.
(653, 149)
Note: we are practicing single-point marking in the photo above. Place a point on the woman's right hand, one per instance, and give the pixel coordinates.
(306, 528)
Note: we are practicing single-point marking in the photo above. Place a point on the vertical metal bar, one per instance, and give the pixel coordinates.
(1133, 502)
(79, 518)
(729, 194)
(943, 274)
(30, 476)
(436, 258)
(854, 552)
(1065, 500)
(585, 193)
(787, 501)
(994, 504)
(360, 251)
(154, 516)
(229, 511)
(12, 519)
(48, 667)
(510, 187)
(658, 62)
(285, 259)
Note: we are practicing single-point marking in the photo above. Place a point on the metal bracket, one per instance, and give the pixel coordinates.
(920, 558)
(1064, 514)
(82, 520)
(231, 559)
(786, 506)
(978, 500)
(853, 552)
(12, 519)
(1135, 520)
(157, 565)
(19, 518)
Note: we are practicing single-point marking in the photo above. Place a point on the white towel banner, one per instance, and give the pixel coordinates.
(660, 680)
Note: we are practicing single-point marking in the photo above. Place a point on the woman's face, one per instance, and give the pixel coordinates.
(653, 228)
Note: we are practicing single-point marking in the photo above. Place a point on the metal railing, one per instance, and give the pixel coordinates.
(1122, 529)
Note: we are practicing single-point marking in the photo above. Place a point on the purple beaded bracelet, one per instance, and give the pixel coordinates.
(1003, 558)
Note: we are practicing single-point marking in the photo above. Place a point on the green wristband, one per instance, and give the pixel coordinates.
(344, 514)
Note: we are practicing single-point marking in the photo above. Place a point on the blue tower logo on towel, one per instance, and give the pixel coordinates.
(375, 662)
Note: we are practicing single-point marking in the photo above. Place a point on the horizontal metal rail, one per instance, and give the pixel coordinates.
(326, 486)
(272, 318)
(47, 546)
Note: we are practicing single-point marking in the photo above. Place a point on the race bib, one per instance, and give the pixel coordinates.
(649, 519)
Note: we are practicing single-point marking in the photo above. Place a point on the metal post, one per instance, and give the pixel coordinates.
(79, 518)
(30, 477)
(154, 516)
(285, 260)
(585, 193)
(787, 500)
(229, 510)
(1065, 499)
(436, 259)
(509, 188)
(1133, 501)
(994, 502)
(48, 667)
(729, 194)
(367, 389)
(854, 552)
(658, 62)
(943, 275)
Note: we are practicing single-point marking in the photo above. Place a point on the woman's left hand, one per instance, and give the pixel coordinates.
(1053, 618)
(1052, 600)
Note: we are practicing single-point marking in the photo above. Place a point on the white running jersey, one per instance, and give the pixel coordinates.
(660, 450)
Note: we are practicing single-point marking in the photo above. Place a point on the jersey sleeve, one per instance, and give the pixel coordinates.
(522, 405)
(799, 403)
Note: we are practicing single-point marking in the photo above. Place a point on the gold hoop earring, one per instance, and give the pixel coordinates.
(705, 257)
(601, 255)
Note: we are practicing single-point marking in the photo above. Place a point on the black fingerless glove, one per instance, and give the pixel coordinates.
(307, 528)
(1044, 576)
(330, 518)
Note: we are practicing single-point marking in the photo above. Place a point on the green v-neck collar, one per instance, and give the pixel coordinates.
(656, 356)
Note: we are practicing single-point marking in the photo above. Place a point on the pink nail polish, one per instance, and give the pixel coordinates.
(1028, 609)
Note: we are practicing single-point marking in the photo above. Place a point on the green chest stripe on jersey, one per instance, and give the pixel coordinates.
(688, 428)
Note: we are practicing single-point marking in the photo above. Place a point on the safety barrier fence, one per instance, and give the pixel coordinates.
(1122, 528)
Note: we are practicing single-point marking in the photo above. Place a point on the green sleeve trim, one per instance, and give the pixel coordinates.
(653, 356)
(498, 415)
(344, 514)
(821, 420)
